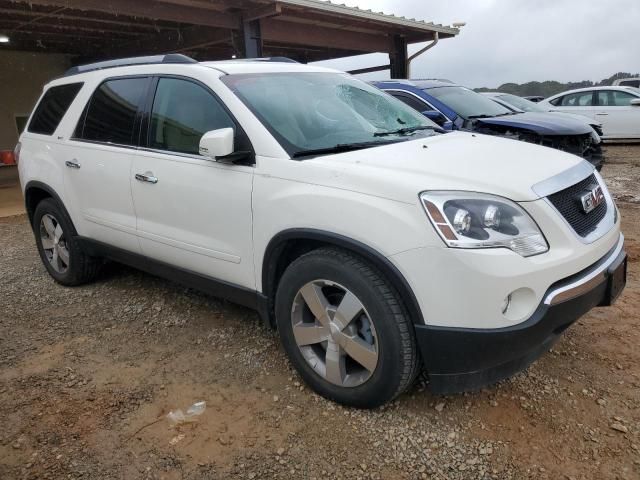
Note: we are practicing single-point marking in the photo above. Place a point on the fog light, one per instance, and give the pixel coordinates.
(506, 303)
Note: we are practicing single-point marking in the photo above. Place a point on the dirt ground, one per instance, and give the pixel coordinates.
(88, 375)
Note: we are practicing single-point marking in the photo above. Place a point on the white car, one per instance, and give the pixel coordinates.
(375, 243)
(617, 108)
(628, 82)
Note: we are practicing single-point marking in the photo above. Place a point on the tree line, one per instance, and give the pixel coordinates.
(551, 87)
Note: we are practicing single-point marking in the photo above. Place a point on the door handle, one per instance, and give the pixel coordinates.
(602, 114)
(72, 164)
(146, 177)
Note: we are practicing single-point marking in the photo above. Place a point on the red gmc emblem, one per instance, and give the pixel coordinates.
(592, 199)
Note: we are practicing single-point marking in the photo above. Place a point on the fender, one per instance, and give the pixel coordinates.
(277, 243)
(34, 184)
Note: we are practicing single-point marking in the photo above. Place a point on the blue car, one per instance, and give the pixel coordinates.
(455, 107)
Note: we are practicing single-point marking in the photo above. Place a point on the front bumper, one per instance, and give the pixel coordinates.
(462, 359)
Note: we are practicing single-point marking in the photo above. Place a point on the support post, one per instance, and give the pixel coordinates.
(398, 57)
(252, 39)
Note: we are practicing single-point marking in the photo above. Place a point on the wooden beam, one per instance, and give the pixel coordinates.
(152, 10)
(44, 28)
(74, 19)
(299, 34)
(25, 42)
(49, 35)
(379, 68)
(271, 10)
(189, 38)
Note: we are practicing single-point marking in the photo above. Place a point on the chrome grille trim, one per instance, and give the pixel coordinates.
(563, 180)
(606, 224)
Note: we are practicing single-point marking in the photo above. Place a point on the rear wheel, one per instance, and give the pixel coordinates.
(58, 247)
(345, 329)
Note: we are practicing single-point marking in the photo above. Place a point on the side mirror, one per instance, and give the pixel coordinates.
(217, 144)
(435, 116)
(635, 102)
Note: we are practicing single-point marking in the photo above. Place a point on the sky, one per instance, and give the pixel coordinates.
(517, 40)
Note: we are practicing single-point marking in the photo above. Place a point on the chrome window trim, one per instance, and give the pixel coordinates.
(599, 272)
(417, 97)
(190, 156)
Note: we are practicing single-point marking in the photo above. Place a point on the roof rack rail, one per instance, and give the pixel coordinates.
(263, 59)
(276, 59)
(123, 62)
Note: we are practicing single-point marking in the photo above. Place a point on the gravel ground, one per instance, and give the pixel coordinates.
(88, 375)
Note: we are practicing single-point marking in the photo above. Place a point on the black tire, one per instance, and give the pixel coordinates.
(398, 357)
(81, 268)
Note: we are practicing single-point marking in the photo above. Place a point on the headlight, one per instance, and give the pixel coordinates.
(478, 220)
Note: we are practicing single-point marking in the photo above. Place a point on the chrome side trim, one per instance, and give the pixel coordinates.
(563, 180)
(591, 279)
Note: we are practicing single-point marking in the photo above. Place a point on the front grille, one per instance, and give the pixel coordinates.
(577, 144)
(568, 203)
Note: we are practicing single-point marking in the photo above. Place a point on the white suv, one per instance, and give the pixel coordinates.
(376, 244)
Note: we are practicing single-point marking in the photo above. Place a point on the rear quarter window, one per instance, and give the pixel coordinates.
(52, 107)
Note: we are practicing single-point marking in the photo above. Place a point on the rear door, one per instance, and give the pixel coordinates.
(192, 212)
(579, 102)
(98, 160)
(619, 119)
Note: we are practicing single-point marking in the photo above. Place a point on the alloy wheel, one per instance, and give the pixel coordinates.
(334, 333)
(54, 243)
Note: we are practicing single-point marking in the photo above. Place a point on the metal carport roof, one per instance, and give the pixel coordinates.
(305, 30)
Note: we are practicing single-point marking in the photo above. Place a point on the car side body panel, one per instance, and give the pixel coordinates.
(618, 122)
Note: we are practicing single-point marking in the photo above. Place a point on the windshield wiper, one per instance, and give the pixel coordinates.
(339, 148)
(406, 130)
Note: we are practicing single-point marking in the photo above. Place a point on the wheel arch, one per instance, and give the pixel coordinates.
(35, 192)
(288, 245)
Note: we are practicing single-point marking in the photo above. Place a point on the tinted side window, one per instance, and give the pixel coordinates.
(111, 112)
(556, 101)
(581, 99)
(52, 107)
(182, 112)
(614, 98)
(413, 102)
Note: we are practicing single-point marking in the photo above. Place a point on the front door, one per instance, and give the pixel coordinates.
(619, 118)
(192, 212)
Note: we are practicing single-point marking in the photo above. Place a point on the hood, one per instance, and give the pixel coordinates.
(452, 161)
(541, 123)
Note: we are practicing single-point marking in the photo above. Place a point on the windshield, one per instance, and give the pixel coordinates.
(307, 111)
(467, 103)
(520, 103)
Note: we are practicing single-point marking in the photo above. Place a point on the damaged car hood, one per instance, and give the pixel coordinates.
(540, 123)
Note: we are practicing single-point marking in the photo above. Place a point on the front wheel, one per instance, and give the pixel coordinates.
(345, 328)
